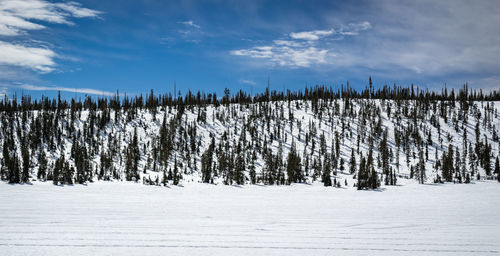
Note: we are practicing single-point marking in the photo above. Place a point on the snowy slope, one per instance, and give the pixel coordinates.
(279, 132)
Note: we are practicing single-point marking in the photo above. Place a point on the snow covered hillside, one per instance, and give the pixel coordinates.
(273, 176)
(363, 143)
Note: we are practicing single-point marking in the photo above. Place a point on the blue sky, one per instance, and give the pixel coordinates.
(98, 47)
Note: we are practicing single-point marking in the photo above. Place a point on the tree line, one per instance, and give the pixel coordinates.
(341, 137)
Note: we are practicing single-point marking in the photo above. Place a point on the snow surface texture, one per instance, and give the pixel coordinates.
(114, 218)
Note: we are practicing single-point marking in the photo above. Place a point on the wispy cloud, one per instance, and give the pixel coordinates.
(289, 43)
(353, 29)
(441, 40)
(30, 87)
(260, 52)
(245, 81)
(17, 17)
(311, 35)
(76, 10)
(187, 31)
(286, 56)
(36, 58)
(190, 23)
(300, 49)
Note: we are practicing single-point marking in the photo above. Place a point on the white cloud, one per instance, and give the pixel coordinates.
(189, 23)
(311, 35)
(302, 57)
(255, 52)
(288, 43)
(245, 81)
(65, 89)
(349, 30)
(301, 49)
(286, 56)
(12, 25)
(76, 10)
(445, 41)
(38, 59)
(17, 17)
(353, 29)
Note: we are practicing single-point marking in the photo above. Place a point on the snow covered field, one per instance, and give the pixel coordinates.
(202, 219)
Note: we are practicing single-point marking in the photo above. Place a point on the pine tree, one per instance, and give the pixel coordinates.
(362, 174)
(176, 175)
(384, 153)
(26, 163)
(55, 173)
(420, 170)
(326, 178)
(486, 158)
(352, 163)
(293, 167)
(14, 170)
(447, 165)
(67, 173)
(206, 163)
(239, 170)
(373, 181)
(42, 165)
(129, 166)
(252, 173)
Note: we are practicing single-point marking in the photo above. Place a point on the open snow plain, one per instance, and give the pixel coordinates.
(201, 219)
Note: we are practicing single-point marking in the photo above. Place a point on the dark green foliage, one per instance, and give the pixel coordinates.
(62, 173)
(239, 170)
(420, 168)
(352, 163)
(42, 166)
(132, 159)
(82, 163)
(26, 163)
(252, 174)
(325, 177)
(362, 174)
(206, 163)
(176, 175)
(11, 162)
(56, 173)
(447, 165)
(14, 170)
(367, 177)
(384, 154)
(293, 167)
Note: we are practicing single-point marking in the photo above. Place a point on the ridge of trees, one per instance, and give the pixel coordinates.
(464, 97)
(51, 137)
